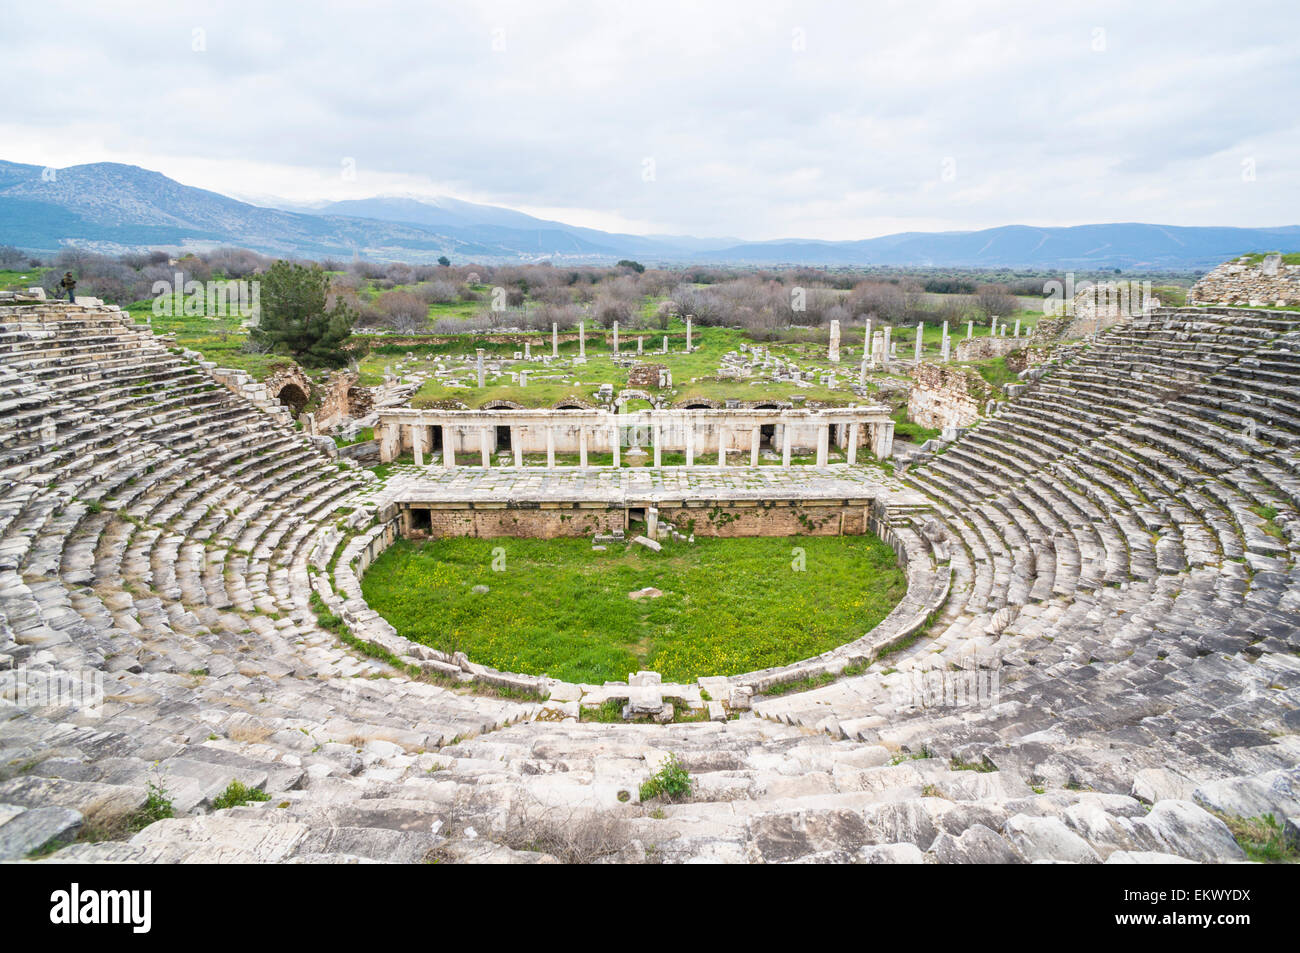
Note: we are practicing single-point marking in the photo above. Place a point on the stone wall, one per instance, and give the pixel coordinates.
(242, 383)
(1266, 283)
(982, 349)
(649, 377)
(944, 395)
(548, 522)
(727, 519)
(343, 400)
(770, 518)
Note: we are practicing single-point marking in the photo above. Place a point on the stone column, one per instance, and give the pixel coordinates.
(970, 330)
(688, 334)
(665, 344)
(886, 356)
(785, 444)
(448, 448)
(582, 341)
(640, 345)
(658, 449)
(920, 340)
(882, 439)
(614, 447)
(616, 339)
(833, 352)
(523, 378)
(947, 350)
(1017, 334)
(417, 444)
(993, 326)
(582, 446)
(484, 450)
(823, 443)
(480, 367)
(550, 446)
(555, 339)
(528, 353)
(755, 436)
(517, 445)
(853, 443)
(651, 522)
(866, 355)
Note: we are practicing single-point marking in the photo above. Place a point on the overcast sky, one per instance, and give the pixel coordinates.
(750, 119)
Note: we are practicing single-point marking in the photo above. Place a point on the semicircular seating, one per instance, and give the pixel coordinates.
(1121, 541)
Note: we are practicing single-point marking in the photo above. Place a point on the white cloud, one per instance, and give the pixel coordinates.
(763, 119)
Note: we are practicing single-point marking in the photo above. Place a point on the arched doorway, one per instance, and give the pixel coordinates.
(292, 396)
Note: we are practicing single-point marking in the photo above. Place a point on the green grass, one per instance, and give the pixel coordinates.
(20, 279)
(1263, 839)
(729, 605)
(1288, 258)
(905, 429)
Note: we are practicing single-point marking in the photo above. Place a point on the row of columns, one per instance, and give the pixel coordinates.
(755, 443)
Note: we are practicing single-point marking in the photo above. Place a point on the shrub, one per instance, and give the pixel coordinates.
(157, 807)
(671, 781)
(237, 794)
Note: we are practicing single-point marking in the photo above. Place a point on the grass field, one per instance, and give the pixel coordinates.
(728, 605)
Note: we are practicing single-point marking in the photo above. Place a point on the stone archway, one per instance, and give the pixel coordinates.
(293, 397)
(630, 394)
(289, 385)
(700, 403)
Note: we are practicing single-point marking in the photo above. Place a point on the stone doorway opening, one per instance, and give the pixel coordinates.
(292, 396)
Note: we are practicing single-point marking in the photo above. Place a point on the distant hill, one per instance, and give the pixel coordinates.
(113, 207)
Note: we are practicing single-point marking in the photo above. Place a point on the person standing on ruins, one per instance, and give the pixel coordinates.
(69, 283)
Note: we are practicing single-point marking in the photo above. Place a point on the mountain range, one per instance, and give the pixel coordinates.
(113, 207)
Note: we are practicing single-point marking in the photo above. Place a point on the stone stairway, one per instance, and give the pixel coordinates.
(1108, 577)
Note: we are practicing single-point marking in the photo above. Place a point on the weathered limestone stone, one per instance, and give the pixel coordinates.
(34, 829)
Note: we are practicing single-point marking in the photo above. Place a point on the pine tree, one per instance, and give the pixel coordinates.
(294, 318)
